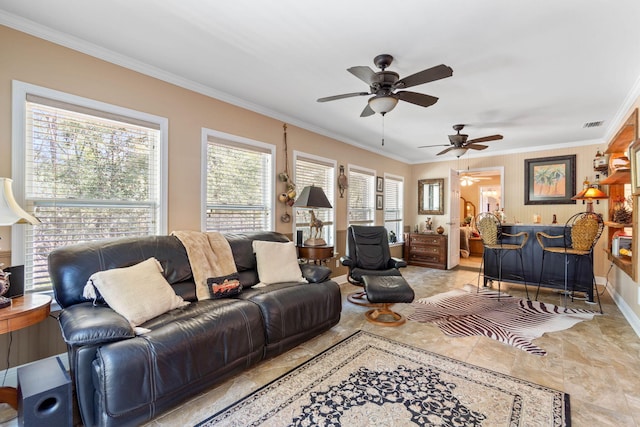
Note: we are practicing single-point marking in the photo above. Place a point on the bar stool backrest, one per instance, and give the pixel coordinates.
(586, 228)
(489, 228)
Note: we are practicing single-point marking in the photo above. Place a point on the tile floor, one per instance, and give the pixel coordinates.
(596, 362)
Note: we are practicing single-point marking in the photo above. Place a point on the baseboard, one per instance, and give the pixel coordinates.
(626, 311)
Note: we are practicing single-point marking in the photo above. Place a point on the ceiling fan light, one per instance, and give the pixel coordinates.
(458, 151)
(382, 104)
(466, 181)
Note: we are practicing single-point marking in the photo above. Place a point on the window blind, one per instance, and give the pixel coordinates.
(361, 200)
(88, 176)
(313, 171)
(393, 205)
(238, 186)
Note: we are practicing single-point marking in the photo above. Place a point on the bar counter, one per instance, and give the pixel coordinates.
(532, 259)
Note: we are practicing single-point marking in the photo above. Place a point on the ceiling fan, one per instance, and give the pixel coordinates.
(383, 85)
(459, 144)
(467, 178)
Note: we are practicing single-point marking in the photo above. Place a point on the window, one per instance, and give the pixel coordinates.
(239, 183)
(87, 170)
(361, 207)
(313, 170)
(393, 204)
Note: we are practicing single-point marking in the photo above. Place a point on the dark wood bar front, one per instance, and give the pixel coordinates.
(554, 264)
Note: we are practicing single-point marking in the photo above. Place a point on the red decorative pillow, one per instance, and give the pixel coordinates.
(224, 286)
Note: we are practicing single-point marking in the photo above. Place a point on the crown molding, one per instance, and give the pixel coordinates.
(623, 112)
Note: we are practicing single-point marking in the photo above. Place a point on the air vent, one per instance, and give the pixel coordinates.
(593, 124)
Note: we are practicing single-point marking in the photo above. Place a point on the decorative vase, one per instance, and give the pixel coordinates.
(440, 229)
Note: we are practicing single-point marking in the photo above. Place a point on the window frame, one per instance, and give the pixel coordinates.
(330, 193)
(372, 193)
(262, 146)
(388, 178)
(20, 90)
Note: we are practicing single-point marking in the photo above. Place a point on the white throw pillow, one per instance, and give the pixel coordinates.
(138, 293)
(277, 262)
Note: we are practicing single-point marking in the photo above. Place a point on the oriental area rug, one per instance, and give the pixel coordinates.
(499, 316)
(369, 380)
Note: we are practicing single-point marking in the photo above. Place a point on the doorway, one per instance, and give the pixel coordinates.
(482, 189)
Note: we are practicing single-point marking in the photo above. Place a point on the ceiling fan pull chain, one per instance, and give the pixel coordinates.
(383, 130)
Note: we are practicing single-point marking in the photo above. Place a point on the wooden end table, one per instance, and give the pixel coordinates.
(24, 311)
(317, 254)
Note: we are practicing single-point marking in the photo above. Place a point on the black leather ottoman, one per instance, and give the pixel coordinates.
(386, 291)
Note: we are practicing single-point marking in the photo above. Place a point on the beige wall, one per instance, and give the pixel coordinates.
(35, 61)
(38, 62)
(513, 197)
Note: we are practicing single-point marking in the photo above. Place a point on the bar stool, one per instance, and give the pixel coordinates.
(493, 239)
(580, 235)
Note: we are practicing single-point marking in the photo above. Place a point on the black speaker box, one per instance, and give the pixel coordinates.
(44, 394)
(16, 281)
(299, 238)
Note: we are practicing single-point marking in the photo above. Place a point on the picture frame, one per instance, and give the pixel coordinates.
(550, 180)
(379, 202)
(379, 184)
(634, 158)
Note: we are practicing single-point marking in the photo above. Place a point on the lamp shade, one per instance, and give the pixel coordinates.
(458, 151)
(10, 211)
(590, 193)
(312, 197)
(382, 104)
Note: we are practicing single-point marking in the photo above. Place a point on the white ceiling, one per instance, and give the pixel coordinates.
(533, 71)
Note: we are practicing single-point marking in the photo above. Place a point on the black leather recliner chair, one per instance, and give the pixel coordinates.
(368, 254)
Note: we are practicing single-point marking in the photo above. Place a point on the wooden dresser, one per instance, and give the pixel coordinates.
(426, 250)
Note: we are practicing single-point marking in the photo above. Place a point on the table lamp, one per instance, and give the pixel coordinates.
(313, 198)
(590, 194)
(10, 213)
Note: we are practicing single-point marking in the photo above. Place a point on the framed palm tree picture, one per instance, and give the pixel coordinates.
(550, 180)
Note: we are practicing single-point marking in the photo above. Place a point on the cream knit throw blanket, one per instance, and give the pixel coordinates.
(209, 255)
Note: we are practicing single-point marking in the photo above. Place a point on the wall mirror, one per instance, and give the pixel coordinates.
(431, 196)
(467, 209)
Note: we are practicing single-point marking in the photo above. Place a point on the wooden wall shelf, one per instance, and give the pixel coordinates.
(616, 180)
(616, 224)
(618, 176)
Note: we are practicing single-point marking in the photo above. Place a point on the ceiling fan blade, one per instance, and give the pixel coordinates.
(446, 150)
(475, 146)
(429, 146)
(367, 112)
(416, 98)
(486, 139)
(344, 95)
(425, 76)
(364, 73)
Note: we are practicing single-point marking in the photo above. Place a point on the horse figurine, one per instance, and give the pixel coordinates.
(315, 224)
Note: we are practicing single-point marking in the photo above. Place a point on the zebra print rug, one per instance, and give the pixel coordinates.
(507, 319)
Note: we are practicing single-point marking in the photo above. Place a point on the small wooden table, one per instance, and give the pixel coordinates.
(24, 311)
(317, 254)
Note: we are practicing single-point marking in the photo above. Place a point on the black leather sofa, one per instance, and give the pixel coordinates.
(124, 379)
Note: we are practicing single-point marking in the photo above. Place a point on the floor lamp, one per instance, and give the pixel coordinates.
(10, 213)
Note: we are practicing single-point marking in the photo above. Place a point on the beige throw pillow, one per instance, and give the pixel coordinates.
(138, 293)
(277, 262)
